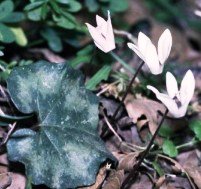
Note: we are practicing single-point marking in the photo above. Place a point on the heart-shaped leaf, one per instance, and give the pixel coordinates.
(66, 151)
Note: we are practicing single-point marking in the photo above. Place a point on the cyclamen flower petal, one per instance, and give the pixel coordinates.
(164, 46)
(187, 87)
(176, 100)
(148, 53)
(103, 35)
(171, 85)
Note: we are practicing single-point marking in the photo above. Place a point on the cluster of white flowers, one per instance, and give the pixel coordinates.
(176, 100)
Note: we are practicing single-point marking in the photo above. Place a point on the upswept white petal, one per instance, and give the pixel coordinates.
(95, 35)
(100, 47)
(151, 59)
(136, 50)
(103, 35)
(101, 25)
(177, 109)
(153, 89)
(171, 85)
(100, 21)
(166, 100)
(187, 87)
(110, 34)
(164, 46)
(143, 40)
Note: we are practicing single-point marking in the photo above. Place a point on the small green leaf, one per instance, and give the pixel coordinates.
(34, 5)
(158, 168)
(92, 5)
(6, 35)
(35, 14)
(74, 6)
(53, 39)
(196, 128)
(64, 22)
(66, 151)
(13, 17)
(79, 59)
(169, 148)
(20, 36)
(6, 7)
(102, 74)
(166, 131)
(118, 6)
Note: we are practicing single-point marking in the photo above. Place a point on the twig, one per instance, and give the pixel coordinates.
(133, 172)
(12, 127)
(111, 128)
(127, 90)
(107, 87)
(126, 34)
(182, 169)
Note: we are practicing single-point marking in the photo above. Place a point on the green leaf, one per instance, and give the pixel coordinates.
(64, 22)
(79, 59)
(158, 168)
(6, 35)
(34, 5)
(102, 74)
(169, 148)
(53, 39)
(75, 6)
(196, 128)
(35, 14)
(20, 36)
(118, 6)
(166, 131)
(6, 7)
(13, 17)
(66, 151)
(92, 5)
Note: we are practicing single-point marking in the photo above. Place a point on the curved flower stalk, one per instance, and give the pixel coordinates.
(177, 100)
(102, 35)
(146, 50)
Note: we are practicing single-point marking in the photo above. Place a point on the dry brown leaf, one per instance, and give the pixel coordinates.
(5, 180)
(160, 182)
(193, 169)
(99, 179)
(114, 180)
(126, 161)
(136, 108)
(143, 183)
(18, 181)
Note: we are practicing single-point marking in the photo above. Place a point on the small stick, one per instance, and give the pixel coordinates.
(12, 127)
(127, 90)
(126, 34)
(144, 154)
(111, 128)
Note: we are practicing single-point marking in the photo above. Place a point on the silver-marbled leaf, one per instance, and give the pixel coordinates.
(66, 151)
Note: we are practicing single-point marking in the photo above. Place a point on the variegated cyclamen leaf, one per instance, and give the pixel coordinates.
(66, 151)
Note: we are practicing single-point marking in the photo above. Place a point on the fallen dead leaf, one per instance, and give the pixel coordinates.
(143, 183)
(137, 108)
(193, 169)
(5, 180)
(18, 181)
(126, 161)
(114, 180)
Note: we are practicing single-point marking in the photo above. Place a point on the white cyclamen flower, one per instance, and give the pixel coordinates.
(146, 50)
(177, 100)
(103, 35)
